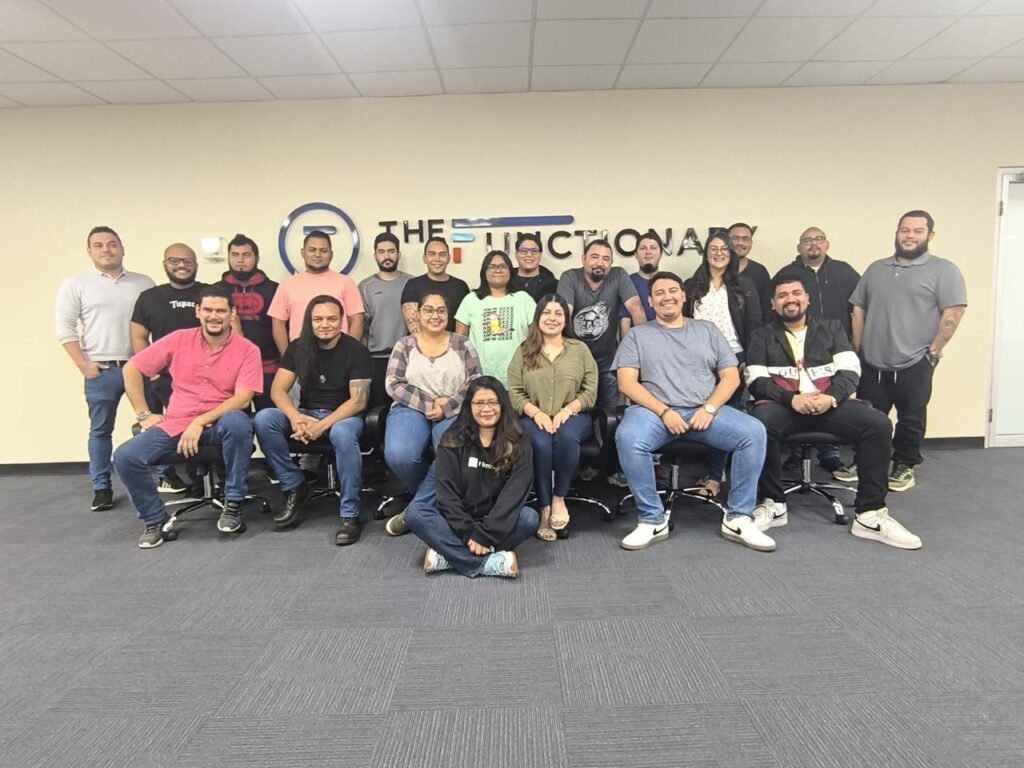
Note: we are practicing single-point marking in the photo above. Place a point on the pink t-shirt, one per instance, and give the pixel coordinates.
(203, 379)
(294, 294)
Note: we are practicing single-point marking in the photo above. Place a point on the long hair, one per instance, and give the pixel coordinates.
(730, 278)
(507, 432)
(307, 351)
(535, 339)
(485, 290)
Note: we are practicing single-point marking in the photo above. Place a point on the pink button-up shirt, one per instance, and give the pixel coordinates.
(203, 378)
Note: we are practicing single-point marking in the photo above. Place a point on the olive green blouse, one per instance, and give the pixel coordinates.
(552, 385)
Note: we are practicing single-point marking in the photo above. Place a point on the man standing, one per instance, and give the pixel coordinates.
(94, 310)
(742, 238)
(530, 275)
(649, 250)
(216, 373)
(803, 373)
(158, 312)
(252, 293)
(382, 299)
(830, 284)
(679, 373)
(436, 280)
(906, 308)
(293, 295)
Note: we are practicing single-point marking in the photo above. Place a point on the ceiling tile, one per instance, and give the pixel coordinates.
(912, 71)
(242, 17)
(8, 104)
(881, 39)
(423, 83)
(1001, 70)
(683, 41)
(481, 45)
(182, 59)
(981, 36)
(694, 9)
(594, 9)
(222, 89)
(380, 50)
(602, 41)
(78, 61)
(1013, 50)
(124, 19)
(23, 20)
(336, 15)
(279, 55)
(999, 8)
(14, 70)
(922, 7)
(662, 75)
(486, 80)
(813, 7)
(734, 75)
(475, 11)
(835, 72)
(310, 87)
(48, 94)
(783, 39)
(586, 78)
(133, 91)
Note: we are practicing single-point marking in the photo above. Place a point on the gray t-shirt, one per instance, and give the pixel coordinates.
(384, 320)
(677, 365)
(902, 306)
(595, 314)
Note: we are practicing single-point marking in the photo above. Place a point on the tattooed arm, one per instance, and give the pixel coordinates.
(951, 317)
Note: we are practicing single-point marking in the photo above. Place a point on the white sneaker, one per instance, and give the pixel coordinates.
(434, 561)
(876, 524)
(743, 529)
(645, 534)
(770, 514)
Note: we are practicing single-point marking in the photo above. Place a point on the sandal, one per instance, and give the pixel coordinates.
(559, 521)
(708, 488)
(546, 533)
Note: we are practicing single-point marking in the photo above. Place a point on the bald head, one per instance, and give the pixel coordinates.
(812, 246)
(181, 265)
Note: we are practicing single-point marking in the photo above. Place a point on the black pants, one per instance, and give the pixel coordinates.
(854, 422)
(909, 391)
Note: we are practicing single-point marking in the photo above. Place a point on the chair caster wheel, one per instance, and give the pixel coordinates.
(379, 514)
(842, 520)
(241, 529)
(562, 534)
(265, 508)
(671, 526)
(170, 535)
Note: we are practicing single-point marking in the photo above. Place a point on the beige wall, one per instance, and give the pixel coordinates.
(848, 160)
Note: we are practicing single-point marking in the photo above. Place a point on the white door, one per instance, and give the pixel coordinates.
(1006, 419)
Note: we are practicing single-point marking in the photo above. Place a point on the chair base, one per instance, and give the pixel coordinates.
(179, 507)
(805, 485)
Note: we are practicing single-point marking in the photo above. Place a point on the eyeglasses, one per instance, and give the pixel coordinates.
(172, 262)
(497, 267)
(528, 251)
(714, 249)
(431, 311)
(815, 239)
(485, 404)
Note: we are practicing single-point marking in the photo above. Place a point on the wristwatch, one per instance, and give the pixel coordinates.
(141, 416)
(709, 408)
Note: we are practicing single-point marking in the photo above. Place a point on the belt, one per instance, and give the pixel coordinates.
(108, 363)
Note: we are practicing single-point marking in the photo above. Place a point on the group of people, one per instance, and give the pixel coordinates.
(490, 391)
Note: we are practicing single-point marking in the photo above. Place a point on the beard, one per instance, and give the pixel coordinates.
(178, 282)
(913, 253)
(388, 266)
(648, 269)
(597, 277)
(788, 317)
(243, 276)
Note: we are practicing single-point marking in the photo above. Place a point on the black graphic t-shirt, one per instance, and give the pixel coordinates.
(595, 314)
(165, 309)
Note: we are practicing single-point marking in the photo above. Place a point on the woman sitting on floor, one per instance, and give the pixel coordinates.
(470, 510)
(552, 382)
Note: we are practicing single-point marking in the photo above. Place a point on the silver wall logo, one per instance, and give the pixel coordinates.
(322, 217)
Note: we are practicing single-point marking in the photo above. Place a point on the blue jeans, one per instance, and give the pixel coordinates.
(642, 433)
(102, 395)
(133, 461)
(407, 433)
(558, 453)
(607, 390)
(273, 430)
(427, 522)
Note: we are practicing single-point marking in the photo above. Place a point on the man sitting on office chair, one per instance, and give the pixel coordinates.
(333, 371)
(802, 373)
(216, 373)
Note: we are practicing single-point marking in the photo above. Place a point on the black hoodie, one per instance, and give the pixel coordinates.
(252, 299)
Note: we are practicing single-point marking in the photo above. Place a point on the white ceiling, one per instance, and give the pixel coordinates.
(75, 52)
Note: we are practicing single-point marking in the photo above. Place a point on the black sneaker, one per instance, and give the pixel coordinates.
(102, 500)
(153, 535)
(292, 509)
(348, 531)
(230, 520)
(171, 483)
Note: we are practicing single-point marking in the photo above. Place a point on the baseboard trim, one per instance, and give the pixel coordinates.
(944, 443)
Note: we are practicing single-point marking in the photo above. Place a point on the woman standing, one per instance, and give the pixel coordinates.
(552, 381)
(718, 293)
(495, 320)
(470, 510)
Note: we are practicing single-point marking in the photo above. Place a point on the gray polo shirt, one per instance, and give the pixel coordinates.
(903, 304)
(95, 310)
(382, 300)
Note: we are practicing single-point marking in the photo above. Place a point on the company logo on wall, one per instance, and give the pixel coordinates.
(498, 232)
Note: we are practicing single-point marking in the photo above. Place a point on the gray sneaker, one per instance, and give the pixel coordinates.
(501, 564)
(230, 520)
(153, 536)
(846, 473)
(901, 478)
(618, 479)
(586, 474)
(395, 526)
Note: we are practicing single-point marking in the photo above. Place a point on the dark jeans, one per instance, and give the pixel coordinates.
(909, 391)
(607, 390)
(426, 521)
(558, 453)
(853, 421)
(133, 461)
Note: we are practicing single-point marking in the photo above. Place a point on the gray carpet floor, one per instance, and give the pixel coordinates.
(280, 649)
